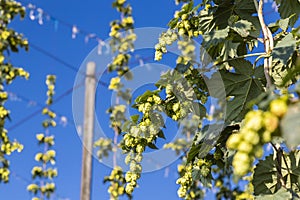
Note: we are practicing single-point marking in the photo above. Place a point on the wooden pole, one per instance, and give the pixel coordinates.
(87, 149)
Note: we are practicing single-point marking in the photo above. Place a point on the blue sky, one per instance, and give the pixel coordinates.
(55, 37)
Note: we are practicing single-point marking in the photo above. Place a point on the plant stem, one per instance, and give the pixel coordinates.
(239, 57)
(278, 166)
(268, 41)
(280, 155)
(115, 145)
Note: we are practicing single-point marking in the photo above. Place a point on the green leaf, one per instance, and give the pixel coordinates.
(245, 9)
(293, 73)
(279, 195)
(287, 8)
(243, 27)
(152, 146)
(173, 23)
(267, 179)
(229, 49)
(196, 174)
(290, 126)
(241, 86)
(206, 23)
(134, 118)
(126, 126)
(265, 176)
(284, 49)
(215, 37)
(217, 44)
(193, 152)
(284, 23)
(161, 134)
(222, 14)
(169, 77)
(182, 68)
(199, 109)
(188, 7)
(157, 119)
(281, 23)
(204, 140)
(143, 98)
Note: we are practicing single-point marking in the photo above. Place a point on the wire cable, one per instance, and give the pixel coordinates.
(33, 114)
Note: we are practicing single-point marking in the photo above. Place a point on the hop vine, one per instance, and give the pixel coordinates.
(122, 43)
(191, 177)
(123, 38)
(44, 173)
(184, 25)
(117, 183)
(10, 41)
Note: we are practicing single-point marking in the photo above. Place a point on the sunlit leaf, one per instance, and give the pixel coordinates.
(271, 173)
(284, 49)
(279, 195)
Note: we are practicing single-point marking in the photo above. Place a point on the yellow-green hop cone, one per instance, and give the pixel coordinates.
(271, 121)
(244, 146)
(278, 107)
(233, 141)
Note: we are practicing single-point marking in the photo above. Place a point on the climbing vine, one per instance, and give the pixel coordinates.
(121, 43)
(43, 174)
(10, 41)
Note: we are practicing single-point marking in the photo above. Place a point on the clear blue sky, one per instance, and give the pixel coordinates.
(94, 17)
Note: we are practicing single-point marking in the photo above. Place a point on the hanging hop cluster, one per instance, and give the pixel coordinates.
(122, 42)
(186, 21)
(184, 24)
(131, 177)
(10, 41)
(177, 104)
(115, 84)
(123, 38)
(117, 183)
(140, 134)
(257, 129)
(178, 145)
(50, 82)
(185, 181)
(117, 116)
(105, 146)
(7, 147)
(187, 49)
(43, 175)
(117, 112)
(187, 24)
(133, 159)
(166, 38)
(143, 133)
(189, 188)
